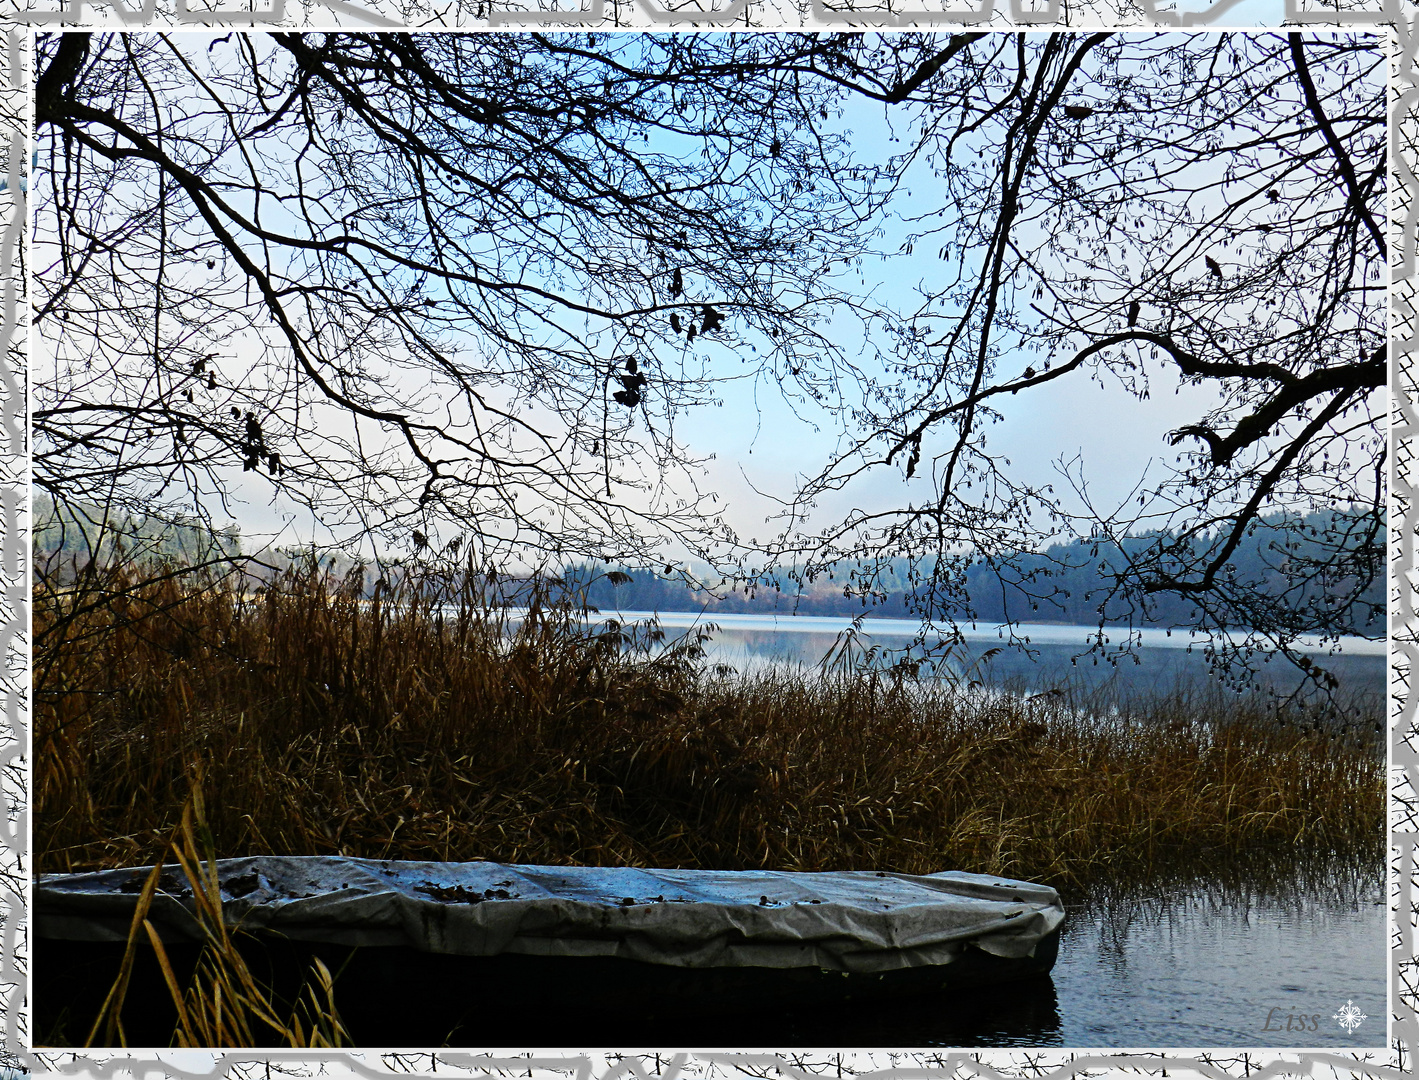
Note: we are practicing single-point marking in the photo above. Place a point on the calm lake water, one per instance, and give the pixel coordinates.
(1055, 655)
(1200, 968)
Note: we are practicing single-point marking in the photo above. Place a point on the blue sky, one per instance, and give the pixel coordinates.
(761, 448)
(764, 447)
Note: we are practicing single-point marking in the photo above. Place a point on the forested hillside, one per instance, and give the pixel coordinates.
(1067, 583)
(78, 531)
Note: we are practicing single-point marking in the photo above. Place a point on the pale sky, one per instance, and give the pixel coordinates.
(758, 442)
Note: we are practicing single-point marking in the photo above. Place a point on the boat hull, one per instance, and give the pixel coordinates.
(487, 954)
(394, 996)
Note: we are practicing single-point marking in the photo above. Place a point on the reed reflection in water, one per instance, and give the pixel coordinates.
(1056, 655)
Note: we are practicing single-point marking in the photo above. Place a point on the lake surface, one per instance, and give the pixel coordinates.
(1194, 970)
(1053, 655)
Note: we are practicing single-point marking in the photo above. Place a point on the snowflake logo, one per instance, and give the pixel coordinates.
(1349, 1016)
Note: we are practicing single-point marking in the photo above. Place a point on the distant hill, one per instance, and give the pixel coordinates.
(1067, 583)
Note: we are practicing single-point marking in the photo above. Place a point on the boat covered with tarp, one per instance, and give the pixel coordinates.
(702, 940)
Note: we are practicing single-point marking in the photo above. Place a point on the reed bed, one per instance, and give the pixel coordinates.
(425, 720)
(223, 1003)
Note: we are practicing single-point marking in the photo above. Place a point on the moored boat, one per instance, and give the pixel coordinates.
(443, 942)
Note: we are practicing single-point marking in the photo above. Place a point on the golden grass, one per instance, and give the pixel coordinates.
(223, 1004)
(422, 723)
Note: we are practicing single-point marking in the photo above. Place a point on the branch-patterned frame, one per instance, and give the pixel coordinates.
(1402, 21)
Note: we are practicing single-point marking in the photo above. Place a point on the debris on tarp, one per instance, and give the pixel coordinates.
(851, 921)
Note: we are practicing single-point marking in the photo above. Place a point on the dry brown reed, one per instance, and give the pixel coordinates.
(421, 720)
(223, 1003)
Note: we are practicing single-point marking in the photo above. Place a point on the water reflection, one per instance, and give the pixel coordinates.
(1016, 1014)
(1057, 656)
(1228, 964)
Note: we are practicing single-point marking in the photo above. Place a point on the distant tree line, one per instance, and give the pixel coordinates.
(1074, 582)
(76, 534)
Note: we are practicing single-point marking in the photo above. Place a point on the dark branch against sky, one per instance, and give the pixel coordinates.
(484, 284)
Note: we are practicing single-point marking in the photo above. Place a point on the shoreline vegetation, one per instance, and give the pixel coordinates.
(423, 724)
(309, 715)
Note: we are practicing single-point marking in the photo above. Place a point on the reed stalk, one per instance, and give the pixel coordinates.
(223, 1003)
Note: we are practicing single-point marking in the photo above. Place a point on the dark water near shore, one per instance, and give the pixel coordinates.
(1193, 970)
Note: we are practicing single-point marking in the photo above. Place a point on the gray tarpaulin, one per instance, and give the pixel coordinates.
(854, 921)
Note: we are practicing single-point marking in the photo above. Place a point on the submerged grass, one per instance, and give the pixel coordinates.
(424, 720)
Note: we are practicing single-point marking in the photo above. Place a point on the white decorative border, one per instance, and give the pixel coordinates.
(1056, 1064)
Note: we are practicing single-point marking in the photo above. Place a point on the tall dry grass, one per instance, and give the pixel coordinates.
(222, 1003)
(420, 721)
